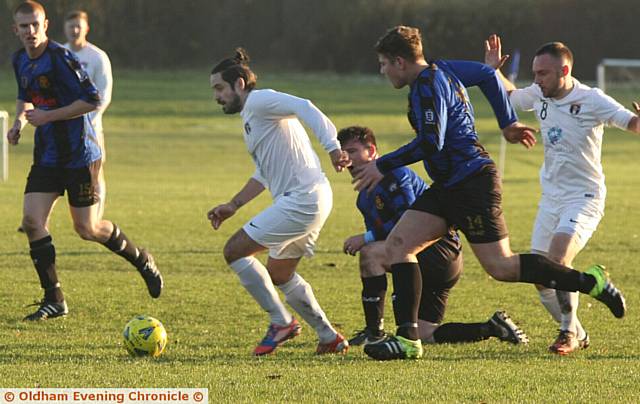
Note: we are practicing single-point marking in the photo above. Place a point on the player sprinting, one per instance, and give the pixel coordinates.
(572, 118)
(466, 192)
(98, 66)
(55, 95)
(440, 263)
(302, 199)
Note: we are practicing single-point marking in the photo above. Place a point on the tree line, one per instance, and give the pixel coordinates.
(337, 35)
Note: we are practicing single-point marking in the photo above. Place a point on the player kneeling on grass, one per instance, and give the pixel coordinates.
(302, 200)
(440, 263)
(55, 95)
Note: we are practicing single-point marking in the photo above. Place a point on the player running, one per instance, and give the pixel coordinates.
(440, 264)
(55, 95)
(97, 65)
(302, 200)
(466, 192)
(572, 118)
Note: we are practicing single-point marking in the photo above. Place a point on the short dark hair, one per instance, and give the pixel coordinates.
(72, 15)
(361, 134)
(232, 69)
(557, 50)
(28, 7)
(402, 41)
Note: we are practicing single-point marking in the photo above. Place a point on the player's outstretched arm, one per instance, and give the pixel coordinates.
(493, 52)
(494, 58)
(222, 212)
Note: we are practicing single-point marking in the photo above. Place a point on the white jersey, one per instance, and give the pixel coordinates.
(572, 129)
(97, 65)
(279, 145)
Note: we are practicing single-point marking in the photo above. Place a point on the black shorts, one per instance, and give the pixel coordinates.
(473, 206)
(80, 183)
(441, 267)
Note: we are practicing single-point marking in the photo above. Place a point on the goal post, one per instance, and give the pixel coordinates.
(4, 128)
(601, 70)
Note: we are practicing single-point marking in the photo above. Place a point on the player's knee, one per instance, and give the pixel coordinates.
(230, 252)
(372, 261)
(31, 224)
(86, 231)
(280, 278)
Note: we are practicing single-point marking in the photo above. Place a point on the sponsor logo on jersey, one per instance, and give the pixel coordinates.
(43, 81)
(393, 187)
(430, 116)
(379, 203)
(247, 128)
(40, 100)
(554, 135)
(575, 109)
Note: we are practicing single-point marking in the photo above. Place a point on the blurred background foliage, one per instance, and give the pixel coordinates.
(337, 35)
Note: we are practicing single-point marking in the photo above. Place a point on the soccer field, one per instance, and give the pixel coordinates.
(172, 155)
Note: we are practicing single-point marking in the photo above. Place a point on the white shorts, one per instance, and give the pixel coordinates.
(290, 227)
(579, 217)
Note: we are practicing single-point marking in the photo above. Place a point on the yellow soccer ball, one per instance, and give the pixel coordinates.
(144, 336)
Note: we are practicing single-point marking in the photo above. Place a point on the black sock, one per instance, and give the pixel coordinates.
(462, 332)
(43, 254)
(535, 268)
(407, 290)
(121, 245)
(373, 292)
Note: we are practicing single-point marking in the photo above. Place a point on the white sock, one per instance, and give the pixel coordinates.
(300, 296)
(256, 280)
(550, 302)
(568, 302)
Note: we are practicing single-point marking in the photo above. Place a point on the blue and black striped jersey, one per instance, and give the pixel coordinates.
(383, 207)
(55, 80)
(442, 117)
(393, 195)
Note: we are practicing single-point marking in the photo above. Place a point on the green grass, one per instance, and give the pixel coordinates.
(172, 155)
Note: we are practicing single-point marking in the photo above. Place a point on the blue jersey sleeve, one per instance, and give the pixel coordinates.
(428, 116)
(485, 77)
(22, 94)
(73, 78)
(388, 202)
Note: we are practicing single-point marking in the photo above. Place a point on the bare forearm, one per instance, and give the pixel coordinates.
(508, 85)
(21, 119)
(73, 110)
(251, 190)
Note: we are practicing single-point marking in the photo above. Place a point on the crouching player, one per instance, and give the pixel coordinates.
(440, 264)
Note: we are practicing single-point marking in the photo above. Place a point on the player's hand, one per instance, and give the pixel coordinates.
(221, 213)
(353, 244)
(339, 159)
(636, 107)
(493, 52)
(366, 176)
(37, 117)
(13, 135)
(519, 133)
